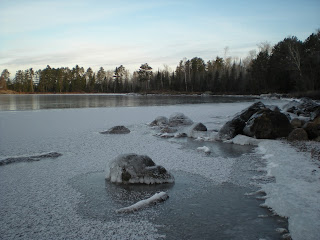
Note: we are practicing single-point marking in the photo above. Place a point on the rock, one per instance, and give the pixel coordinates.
(315, 114)
(168, 130)
(199, 127)
(297, 123)
(179, 119)
(298, 134)
(159, 121)
(133, 168)
(268, 124)
(273, 108)
(312, 129)
(117, 130)
(291, 106)
(235, 126)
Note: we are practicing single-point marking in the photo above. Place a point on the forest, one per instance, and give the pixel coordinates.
(289, 66)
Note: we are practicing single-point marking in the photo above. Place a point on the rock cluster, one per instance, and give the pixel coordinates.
(299, 121)
(177, 125)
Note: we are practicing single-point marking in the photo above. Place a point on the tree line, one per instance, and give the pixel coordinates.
(289, 66)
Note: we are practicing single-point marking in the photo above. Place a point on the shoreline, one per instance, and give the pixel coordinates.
(315, 95)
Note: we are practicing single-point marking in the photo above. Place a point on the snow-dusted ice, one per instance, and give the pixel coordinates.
(38, 201)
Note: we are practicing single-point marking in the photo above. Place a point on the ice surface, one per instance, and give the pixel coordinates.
(296, 192)
(38, 203)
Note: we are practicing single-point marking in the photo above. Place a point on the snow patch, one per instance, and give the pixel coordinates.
(158, 197)
(296, 192)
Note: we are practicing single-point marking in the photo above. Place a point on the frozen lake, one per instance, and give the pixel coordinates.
(67, 197)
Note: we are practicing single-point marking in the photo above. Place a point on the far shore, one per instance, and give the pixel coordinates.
(310, 94)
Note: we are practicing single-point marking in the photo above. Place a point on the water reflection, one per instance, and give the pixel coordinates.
(58, 101)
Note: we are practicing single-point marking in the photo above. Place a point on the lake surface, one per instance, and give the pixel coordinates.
(57, 101)
(68, 197)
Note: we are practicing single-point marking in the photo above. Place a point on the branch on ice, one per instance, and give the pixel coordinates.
(158, 197)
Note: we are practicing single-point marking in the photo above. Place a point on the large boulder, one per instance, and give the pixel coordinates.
(298, 134)
(133, 168)
(179, 119)
(235, 126)
(117, 130)
(268, 124)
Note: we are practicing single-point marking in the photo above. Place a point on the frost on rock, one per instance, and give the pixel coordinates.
(156, 198)
(117, 130)
(133, 168)
(159, 121)
(178, 119)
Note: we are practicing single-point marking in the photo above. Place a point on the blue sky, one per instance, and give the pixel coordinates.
(95, 33)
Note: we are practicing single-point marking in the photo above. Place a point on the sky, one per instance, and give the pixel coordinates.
(103, 33)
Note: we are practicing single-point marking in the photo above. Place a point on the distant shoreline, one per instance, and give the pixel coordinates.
(310, 94)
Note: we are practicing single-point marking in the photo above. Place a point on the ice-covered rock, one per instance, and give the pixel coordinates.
(117, 130)
(156, 198)
(29, 158)
(133, 168)
(179, 119)
(159, 121)
(305, 107)
(268, 124)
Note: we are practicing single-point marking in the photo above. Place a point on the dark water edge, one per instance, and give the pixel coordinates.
(60, 101)
(196, 209)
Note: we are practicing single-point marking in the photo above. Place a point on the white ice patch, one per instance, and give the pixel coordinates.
(158, 197)
(204, 149)
(244, 140)
(296, 192)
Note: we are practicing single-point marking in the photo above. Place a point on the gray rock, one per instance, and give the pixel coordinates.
(117, 130)
(159, 121)
(199, 127)
(181, 135)
(298, 134)
(179, 119)
(268, 124)
(133, 168)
